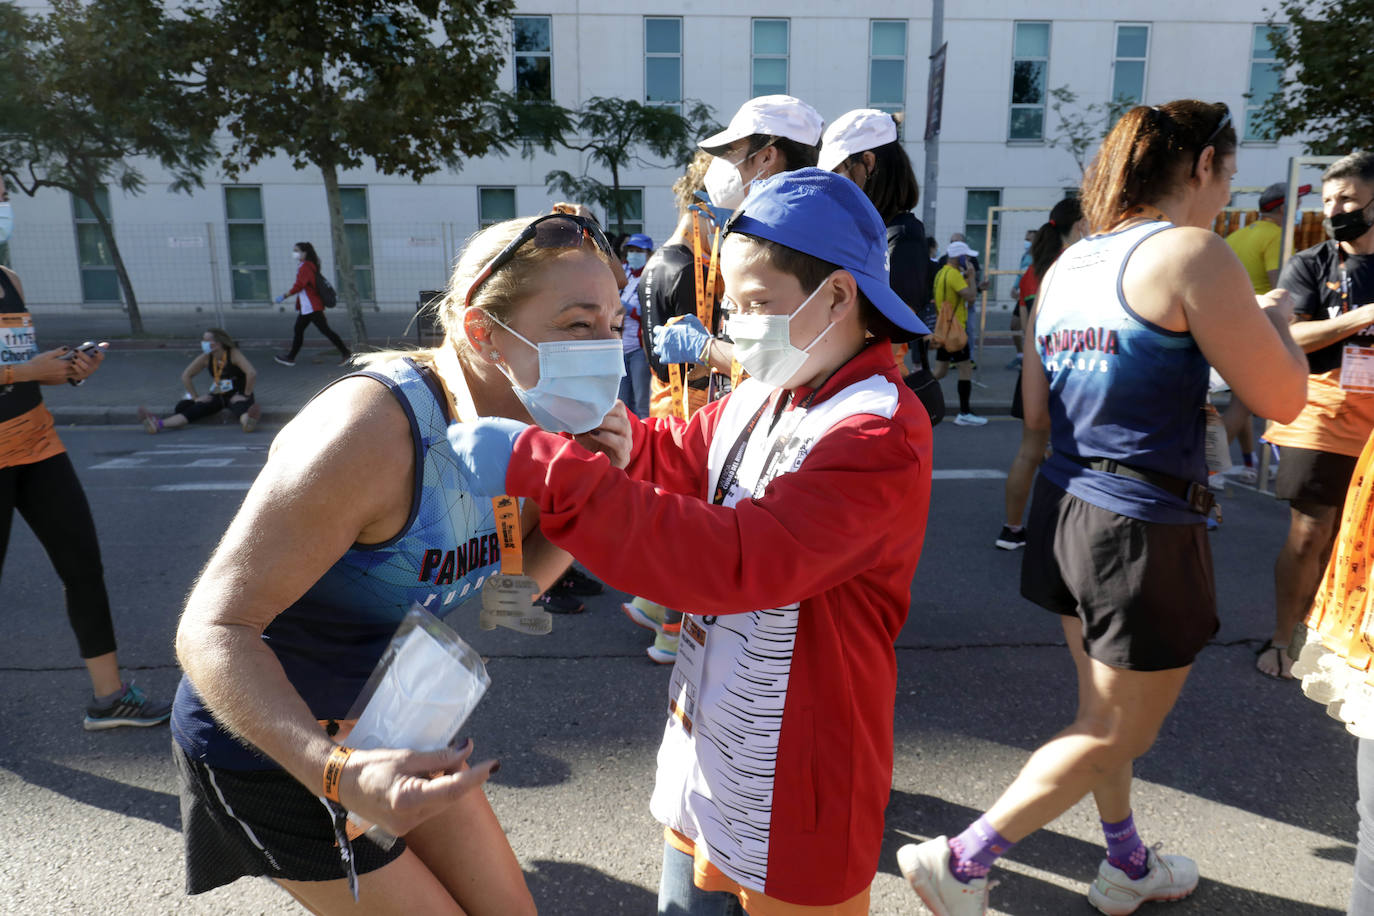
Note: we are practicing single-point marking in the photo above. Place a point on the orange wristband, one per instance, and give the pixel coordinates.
(9, 376)
(333, 771)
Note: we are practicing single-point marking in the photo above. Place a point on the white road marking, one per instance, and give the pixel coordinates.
(204, 485)
(968, 474)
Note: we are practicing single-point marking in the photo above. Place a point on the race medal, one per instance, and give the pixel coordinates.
(508, 597)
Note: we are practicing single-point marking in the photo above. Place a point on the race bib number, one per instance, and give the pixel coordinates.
(18, 340)
(223, 386)
(1357, 369)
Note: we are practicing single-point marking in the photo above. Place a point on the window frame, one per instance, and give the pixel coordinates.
(631, 226)
(516, 53)
(976, 238)
(755, 56)
(261, 223)
(482, 221)
(675, 104)
(79, 222)
(1251, 108)
(1043, 105)
(1144, 61)
(906, 38)
(370, 296)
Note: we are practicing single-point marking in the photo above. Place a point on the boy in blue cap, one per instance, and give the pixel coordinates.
(805, 494)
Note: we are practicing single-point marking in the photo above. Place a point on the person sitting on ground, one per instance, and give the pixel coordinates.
(232, 378)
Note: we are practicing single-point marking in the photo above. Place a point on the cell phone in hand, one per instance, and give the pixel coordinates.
(88, 347)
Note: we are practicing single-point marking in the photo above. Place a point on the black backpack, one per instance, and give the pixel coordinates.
(327, 294)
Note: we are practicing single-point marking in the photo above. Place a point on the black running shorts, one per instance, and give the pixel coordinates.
(1307, 475)
(242, 823)
(1144, 591)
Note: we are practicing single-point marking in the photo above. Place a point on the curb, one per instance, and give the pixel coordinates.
(128, 416)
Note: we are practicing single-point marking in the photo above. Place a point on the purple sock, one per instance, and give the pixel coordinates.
(1125, 849)
(972, 852)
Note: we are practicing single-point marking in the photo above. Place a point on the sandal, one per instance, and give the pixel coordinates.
(1280, 654)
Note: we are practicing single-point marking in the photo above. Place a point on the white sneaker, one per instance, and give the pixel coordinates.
(970, 419)
(926, 869)
(1246, 475)
(1169, 878)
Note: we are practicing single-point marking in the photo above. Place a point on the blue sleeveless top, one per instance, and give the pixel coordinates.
(329, 641)
(1120, 386)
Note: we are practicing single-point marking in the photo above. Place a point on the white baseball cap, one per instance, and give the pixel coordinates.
(960, 250)
(853, 132)
(773, 115)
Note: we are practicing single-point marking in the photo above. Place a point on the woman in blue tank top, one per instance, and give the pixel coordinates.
(1115, 368)
(362, 510)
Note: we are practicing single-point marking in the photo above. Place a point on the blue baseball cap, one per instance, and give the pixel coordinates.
(640, 240)
(827, 216)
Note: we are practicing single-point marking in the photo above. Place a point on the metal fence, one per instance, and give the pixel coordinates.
(180, 267)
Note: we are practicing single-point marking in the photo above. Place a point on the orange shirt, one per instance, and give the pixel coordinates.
(1334, 420)
(29, 438)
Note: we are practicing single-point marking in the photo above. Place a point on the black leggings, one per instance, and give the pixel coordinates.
(317, 319)
(49, 496)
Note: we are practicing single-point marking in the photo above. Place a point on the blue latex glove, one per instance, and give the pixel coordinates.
(484, 449)
(680, 342)
(279, 299)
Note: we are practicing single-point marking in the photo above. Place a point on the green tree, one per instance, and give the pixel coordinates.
(613, 131)
(410, 85)
(88, 88)
(1080, 127)
(1324, 91)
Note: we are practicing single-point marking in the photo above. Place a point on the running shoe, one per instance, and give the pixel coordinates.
(149, 420)
(133, 707)
(282, 360)
(643, 617)
(1015, 362)
(970, 419)
(1246, 475)
(664, 649)
(251, 416)
(1011, 540)
(576, 582)
(926, 869)
(560, 603)
(1169, 878)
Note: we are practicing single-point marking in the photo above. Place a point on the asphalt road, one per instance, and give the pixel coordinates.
(1248, 777)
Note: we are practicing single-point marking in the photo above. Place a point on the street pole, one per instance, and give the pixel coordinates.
(932, 148)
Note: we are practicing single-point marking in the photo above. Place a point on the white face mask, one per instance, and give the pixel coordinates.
(763, 344)
(6, 222)
(206, 346)
(724, 185)
(298, 255)
(579, 381)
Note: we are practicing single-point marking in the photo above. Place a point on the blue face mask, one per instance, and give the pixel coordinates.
(637, 259)
(206, 346)
(6, 222)
(579, 381)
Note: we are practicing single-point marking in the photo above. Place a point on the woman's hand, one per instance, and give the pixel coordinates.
(398, 789)
(614, 437)
(51, 367)
(1278, 304)
(83, 363)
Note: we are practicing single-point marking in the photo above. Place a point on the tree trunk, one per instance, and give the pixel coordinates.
(343, 257)
(107, 230)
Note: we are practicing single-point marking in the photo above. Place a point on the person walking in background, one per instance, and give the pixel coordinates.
(232, 378)
(634, 387)
(1258, 246)
(956, 286)
(1116, 366)
(37, 478)
(1064, 227)
(1332, 285)
(309, 304)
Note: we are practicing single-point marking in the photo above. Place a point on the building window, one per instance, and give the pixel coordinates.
(1030, 66)
(99, 279)
(354, 202)
(632, 200)
(534, 57)
(663, 61)
(247, 244)
(887, 65)
(1265, 72)
(770, 56)
(1128, 68)
(495, 205)
(976, 224)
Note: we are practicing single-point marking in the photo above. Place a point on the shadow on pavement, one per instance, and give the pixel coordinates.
(570, 889)
(97, 791)
(1021, 895)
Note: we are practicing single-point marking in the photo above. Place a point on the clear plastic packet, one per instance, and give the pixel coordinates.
(426, 684)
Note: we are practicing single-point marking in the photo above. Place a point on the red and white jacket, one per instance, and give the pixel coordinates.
(305, 283)
(776, 760)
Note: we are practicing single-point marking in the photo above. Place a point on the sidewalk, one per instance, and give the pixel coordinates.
(147, 370)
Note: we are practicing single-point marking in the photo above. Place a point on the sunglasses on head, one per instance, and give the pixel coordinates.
(557, 230)
(1216, 132)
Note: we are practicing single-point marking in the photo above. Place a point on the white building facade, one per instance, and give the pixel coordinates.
(230, 243)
